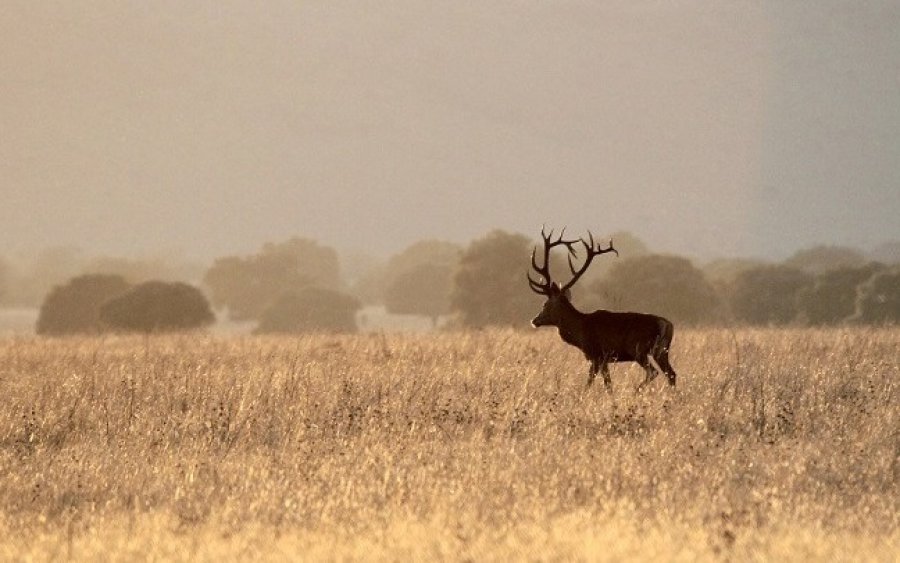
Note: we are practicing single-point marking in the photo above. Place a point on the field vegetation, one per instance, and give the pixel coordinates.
(778, 444)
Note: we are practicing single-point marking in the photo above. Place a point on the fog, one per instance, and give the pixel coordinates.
(207, 128)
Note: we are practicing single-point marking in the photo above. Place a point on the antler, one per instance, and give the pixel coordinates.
(591, 253)
(544, 287)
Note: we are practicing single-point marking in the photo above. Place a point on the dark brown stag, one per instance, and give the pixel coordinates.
(603, 336)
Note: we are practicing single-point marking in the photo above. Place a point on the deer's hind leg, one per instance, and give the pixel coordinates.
(661, 351)
(649, 369)
(663, 360)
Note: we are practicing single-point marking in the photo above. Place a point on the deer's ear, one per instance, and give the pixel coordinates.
(567, 294)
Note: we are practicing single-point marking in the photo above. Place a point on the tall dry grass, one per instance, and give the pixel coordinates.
(776, 443)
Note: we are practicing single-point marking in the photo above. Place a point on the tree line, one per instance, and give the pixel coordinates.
(297, 285)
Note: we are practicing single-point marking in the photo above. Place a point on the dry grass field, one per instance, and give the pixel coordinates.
(777, 445)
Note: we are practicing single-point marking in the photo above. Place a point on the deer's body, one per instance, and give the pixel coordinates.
(603, 336)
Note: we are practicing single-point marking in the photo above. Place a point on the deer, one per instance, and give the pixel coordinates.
(603, 336)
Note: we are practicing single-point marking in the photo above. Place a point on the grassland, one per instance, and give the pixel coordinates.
(777, 444)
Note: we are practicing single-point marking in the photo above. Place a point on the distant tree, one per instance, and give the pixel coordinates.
(768, 294)
(669, 286)
(425, 252)
(820, 259)
(308, 310)
(373, 284)
(490, 287)
(421, 290)
(418, 280)
(878, 298)
(831, 298)
(240, 285)
(248, 285)
(74, 307)
(319, 262)
(155, 306)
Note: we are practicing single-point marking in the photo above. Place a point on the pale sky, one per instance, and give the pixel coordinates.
(706, 128)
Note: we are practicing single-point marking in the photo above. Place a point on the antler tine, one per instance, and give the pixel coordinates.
(537, 287)
(610, 248)
(542, 288)
(571, 265)
(592, 250)
(534, 264)
(543, 269)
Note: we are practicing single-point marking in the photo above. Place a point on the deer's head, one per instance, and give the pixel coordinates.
(559, 296)
(558, 301)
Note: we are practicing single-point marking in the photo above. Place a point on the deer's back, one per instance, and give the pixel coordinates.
(617, 336)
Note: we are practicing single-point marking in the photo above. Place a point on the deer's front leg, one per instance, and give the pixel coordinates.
(604, 369)
(592, 372)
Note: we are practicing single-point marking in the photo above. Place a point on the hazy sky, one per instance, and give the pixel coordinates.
(708, 128)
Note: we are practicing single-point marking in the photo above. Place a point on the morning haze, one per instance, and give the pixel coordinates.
(707, 129)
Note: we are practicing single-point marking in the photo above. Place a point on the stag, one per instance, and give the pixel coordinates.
(603, 336)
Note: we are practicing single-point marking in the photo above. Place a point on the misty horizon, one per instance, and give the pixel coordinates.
(209, 129)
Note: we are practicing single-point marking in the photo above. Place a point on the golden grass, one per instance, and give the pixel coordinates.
(777, 444)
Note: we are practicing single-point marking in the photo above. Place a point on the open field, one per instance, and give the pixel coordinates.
(777, 444)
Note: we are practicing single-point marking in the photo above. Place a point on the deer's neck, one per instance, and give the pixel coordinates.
(571, 325)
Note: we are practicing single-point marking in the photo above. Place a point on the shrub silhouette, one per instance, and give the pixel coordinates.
(74, 307)
(158, 306)
(418, 281)
(247, 285)
(768, 294)
(490, 287)
(421, 290)
(669, 286)
(878, 298)
(424, 252)
(376, 280)
(310, 309)
(833, 296)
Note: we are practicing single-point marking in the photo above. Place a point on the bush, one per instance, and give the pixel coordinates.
(158, 306)
(878, 298)
(310, 309)
(768, 294)
(490, 286)
(74, 307)
(669, 286)
(422, 290)
(832, 297)
(248, 285)
(418, 281)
